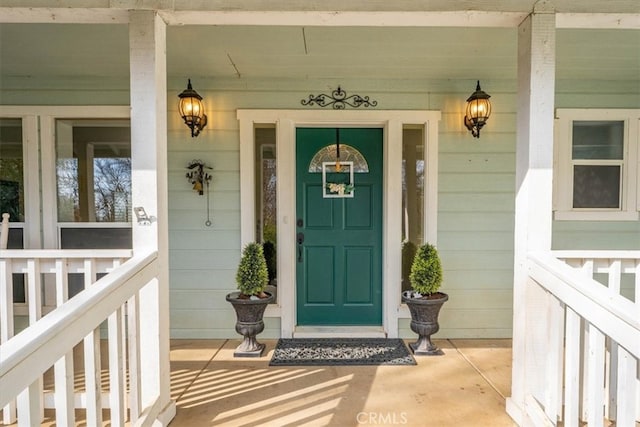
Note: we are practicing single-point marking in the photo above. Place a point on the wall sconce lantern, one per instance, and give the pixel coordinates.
(192, 110)
(478, 111)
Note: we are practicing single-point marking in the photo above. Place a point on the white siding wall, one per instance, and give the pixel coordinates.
(476, 215)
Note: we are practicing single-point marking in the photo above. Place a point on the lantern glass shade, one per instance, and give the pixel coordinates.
(191, 110)
(478, 111)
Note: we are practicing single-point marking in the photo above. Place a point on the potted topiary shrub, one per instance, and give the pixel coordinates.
(251, 300)
(424, 300)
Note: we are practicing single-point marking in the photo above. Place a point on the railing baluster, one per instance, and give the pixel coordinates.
(587, 268)
(116, 380)
(29, 405)
(64, 375)
(123, 346)
(611, 379)
(34, 291)
(92, 380)
(92, 369)
(6, 324)
(637, 302)
(133, 333)
(615, 272)
(627, 374)
(573, 352)
(595, 372)
(553, 393)
(34, 302)
(584, 396)
(123, 355)
(637, 287)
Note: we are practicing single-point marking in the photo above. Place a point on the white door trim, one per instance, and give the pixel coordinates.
(286, 122)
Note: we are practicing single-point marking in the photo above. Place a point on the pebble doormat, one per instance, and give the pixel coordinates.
(341, 351)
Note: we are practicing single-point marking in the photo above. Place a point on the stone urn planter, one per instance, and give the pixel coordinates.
(251, 300)
(424, 300)
(424, 322)
(249, 322)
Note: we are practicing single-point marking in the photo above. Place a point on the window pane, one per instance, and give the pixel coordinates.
(93, 170)
(598, 140)
(11, 169)
(95, 238)
(266, 203)
(412, 198)
(347, 154)
(596, 186)
(16, 241)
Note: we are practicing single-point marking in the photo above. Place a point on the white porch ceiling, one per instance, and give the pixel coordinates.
(50, 51)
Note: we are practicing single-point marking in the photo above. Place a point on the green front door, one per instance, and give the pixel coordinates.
(339, 240)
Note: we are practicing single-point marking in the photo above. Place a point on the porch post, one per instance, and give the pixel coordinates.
(148, 80)
(534, 170)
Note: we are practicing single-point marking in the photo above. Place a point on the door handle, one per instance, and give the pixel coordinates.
(300, 239)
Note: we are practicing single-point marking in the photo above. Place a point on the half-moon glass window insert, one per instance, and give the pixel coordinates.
(347, 154)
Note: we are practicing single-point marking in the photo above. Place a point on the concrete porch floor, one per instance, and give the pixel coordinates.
(465, 387)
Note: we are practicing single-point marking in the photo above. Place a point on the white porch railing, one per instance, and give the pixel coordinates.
(49, 341)
(583, 340)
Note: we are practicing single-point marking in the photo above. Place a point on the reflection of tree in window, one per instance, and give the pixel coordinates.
(68, 192)
(93, 170)
(269, 200)
(112, 188)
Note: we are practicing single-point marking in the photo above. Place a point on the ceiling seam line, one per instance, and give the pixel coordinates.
(304, 40)
(233, 64)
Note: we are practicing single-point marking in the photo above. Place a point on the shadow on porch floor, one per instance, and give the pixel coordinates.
(467, 386)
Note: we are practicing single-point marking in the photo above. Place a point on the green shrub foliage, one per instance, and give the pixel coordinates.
(426, 271)
(252, 276)
(269, 249)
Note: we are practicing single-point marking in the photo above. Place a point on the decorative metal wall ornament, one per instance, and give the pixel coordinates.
(199, 178)
(339, 100)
